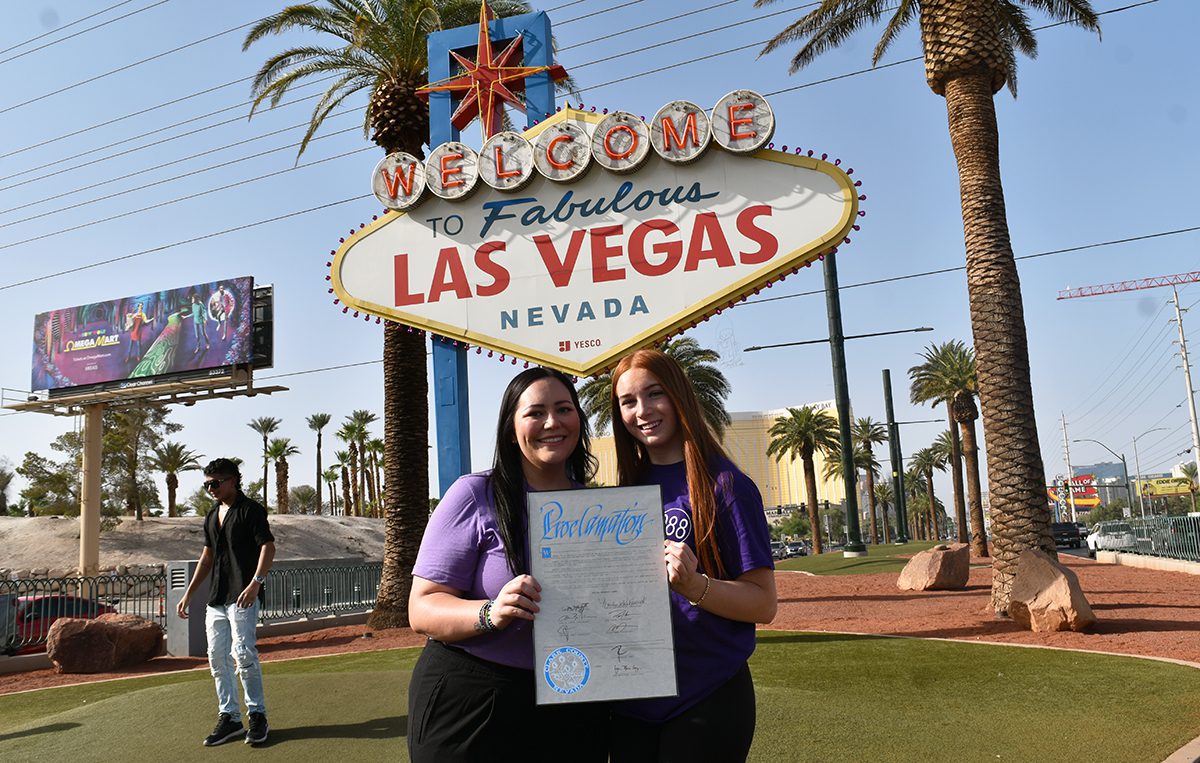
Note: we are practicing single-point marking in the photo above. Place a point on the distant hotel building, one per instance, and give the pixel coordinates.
(746, 441)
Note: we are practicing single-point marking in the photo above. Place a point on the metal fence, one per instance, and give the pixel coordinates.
(28, 607)
(1167, 537)
(307, 591)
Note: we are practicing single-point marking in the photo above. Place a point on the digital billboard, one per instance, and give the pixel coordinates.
(134, 339)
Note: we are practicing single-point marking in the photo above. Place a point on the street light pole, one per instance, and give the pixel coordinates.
(1138, 466)
(1124, 469)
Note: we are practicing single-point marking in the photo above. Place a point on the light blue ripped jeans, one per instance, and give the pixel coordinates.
(231, 637)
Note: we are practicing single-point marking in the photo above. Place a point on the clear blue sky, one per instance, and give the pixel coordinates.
(1100, 146)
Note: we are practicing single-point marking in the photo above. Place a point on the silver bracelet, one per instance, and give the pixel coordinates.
(707, 583)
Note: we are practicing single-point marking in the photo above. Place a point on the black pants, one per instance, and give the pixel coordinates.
(719, 729)
(464, 708)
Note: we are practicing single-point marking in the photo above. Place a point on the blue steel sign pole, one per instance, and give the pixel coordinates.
(451, 410)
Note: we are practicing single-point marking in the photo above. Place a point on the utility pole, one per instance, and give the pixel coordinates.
(1137, 465)
(897, 461)
(1070, 474)
(1187, 377)
(841, 393)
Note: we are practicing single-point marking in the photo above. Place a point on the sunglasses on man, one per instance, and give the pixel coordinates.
(211, 485)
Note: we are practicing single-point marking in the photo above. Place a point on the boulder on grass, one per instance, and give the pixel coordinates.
(102, 645)
(944, 567)
(1046, 595)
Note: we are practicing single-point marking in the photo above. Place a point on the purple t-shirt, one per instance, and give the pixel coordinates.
(462, 549)
(709, 649)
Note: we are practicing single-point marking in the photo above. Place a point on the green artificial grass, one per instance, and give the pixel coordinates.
(881, 558)
(820, 697)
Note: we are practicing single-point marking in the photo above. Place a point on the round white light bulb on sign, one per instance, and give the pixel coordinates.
(742, 122)
(621, 142)
(452, 170)
(506, 161)
(680, 132)
(562, 152)
(398, 181)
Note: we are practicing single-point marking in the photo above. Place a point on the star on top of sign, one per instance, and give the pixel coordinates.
(488, 82)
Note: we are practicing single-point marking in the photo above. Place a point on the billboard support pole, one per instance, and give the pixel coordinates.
(89, 493)
(450, 387)
(897, 461)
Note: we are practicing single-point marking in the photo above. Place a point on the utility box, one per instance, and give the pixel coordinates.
(186, 638)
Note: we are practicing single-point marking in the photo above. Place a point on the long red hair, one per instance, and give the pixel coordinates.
(700, 448)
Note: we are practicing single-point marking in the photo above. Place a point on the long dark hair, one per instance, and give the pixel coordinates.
(701, 450)
(508, 474)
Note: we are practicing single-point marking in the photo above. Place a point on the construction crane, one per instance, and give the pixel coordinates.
(1153, 283)
(1141, 283)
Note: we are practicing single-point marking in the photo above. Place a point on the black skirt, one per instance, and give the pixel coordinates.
(465, 708)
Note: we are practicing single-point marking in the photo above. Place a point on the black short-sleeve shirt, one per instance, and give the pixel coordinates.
(235, 546)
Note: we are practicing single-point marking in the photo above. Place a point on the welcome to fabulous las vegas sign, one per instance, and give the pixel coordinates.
(590, 235)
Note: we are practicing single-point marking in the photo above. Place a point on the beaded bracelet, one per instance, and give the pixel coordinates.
(707, 583)
(485, 624)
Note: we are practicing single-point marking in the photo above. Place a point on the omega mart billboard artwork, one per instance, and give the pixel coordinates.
(135, 339)
(590, 235)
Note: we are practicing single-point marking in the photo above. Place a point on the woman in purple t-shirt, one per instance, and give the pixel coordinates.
(471, 696)
(719, 566)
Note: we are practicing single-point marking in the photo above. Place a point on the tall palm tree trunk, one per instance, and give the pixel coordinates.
(371, 492)
(887, 531)
(979, 546)
(355, 467)
(810, 496)
(405, 428)
(1020, 517)
(172, 487)
(871, 505)
(281, 486)
(933, 524)
(347, 507)
(265, 462)
(319, 472)
(956, 475)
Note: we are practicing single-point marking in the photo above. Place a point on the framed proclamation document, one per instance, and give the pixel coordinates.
(604, 628)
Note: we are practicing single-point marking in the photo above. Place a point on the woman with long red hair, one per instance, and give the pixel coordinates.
(718, 557)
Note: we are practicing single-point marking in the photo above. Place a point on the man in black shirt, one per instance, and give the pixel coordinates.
(238, 551)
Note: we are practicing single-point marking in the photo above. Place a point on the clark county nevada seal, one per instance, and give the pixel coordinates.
(567, 670)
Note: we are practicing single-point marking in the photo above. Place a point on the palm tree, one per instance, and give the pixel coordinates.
(804, 432)
(698, 363)
(380, 49)
(350, 433)
(265, 426)
(316, 423)
(279, 451)
(172, 458)
(375, 448)
(866, 433)
(864, 461)
(330, 477)
(362, 420)
(947, 375)
(924, 462)
(6, 478)
(884, 495)
(343, 465)
(970, 52)
(1187, 470)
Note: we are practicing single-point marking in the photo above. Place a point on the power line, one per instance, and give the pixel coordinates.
(97, 160)
(640, 27)
(76, 34)
(1119, 364)
(1148, 349)
(942, 271)
(191, 173)
(194, 239)
(169, 202)
(126, 67)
